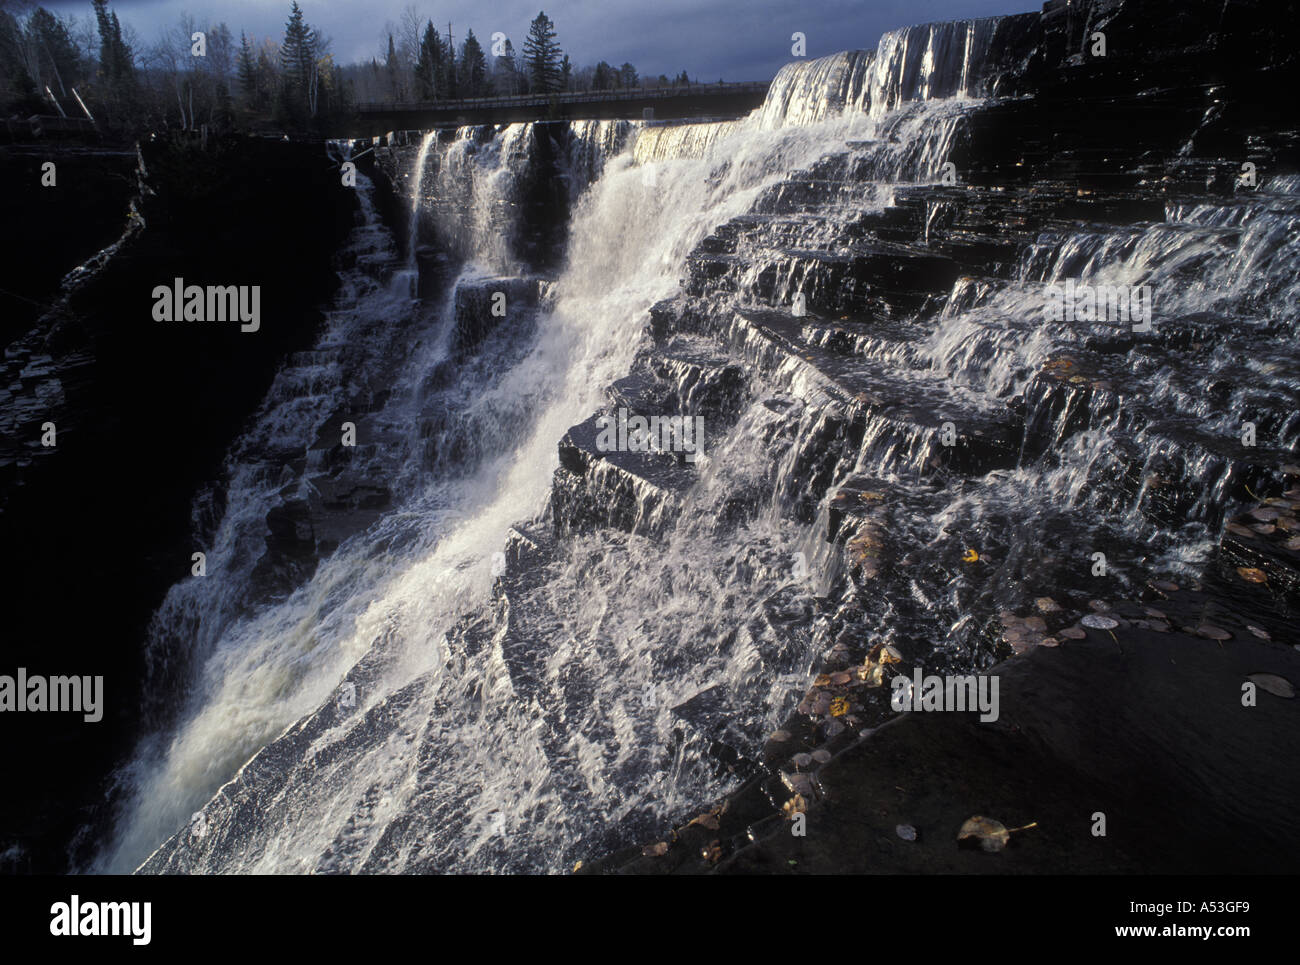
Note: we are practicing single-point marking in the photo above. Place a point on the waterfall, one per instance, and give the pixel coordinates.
(405, 280)
(926, 62)
(511, 654)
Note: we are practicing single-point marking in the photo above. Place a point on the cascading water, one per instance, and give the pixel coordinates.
(509, 659)
(406, 280)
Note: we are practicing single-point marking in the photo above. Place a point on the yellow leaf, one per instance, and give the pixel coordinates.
(989, 834)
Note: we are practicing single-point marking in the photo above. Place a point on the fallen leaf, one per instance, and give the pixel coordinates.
(1252, 574)
(991, 835)
(970, 556)
(905, 831)
(1273, 684)
(1214, 633)
(656, 850)
(1073, 633)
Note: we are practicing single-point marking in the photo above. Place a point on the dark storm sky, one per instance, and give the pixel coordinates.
(731, 39)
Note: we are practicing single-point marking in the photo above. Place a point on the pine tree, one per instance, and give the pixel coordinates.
(297, 54)
(16, 81)
(542, 55)
(394, 68)
(105, 37)
(57, 54)
(473, 67)
(115, 57)
(430, 73)
(247, 73)
(123, 59)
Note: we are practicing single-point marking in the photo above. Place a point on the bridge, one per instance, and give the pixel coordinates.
(715, 101)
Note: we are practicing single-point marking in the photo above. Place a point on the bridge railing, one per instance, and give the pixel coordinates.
(567, 97)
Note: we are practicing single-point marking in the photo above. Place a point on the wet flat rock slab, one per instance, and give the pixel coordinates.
(1146, 728)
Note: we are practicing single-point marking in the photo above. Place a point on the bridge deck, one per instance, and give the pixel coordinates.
(667, 103)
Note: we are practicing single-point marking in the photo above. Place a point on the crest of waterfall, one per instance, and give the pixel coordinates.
(927, 62)
(670, 142)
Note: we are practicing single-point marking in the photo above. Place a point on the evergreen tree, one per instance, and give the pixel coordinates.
(430, 72)
(473, 67)
(297, 56)
(542, 55)
(17, 86)
(115, 56)
(123, 58)
(394, 69)
(246, 69)
(57, 55)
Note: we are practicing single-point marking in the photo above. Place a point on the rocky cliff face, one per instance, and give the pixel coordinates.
(1127, 166)
(98, 525)
(991, 334)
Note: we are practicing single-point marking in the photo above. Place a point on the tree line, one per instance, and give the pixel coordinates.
(199, 75)
(422, 62)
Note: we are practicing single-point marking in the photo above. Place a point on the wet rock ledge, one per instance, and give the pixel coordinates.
(1167, 712)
